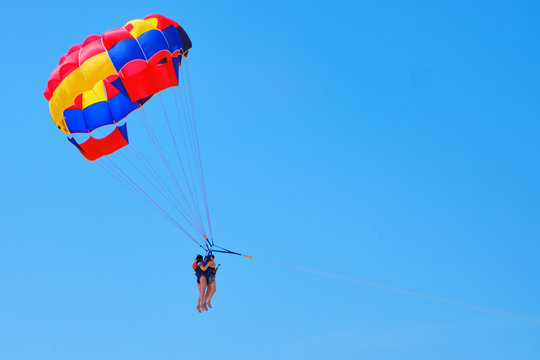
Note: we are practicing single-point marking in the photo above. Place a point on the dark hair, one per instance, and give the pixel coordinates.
(199, 257)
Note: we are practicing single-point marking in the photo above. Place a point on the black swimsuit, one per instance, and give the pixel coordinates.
(199, 272)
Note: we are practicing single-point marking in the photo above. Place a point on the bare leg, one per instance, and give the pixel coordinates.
(202, 288)
(199, 298)
(212, 288)
(205, 303)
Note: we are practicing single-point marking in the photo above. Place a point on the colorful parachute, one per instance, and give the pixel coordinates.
(102, 80)
(98, 83)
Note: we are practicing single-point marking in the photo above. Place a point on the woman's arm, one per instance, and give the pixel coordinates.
(204, 267)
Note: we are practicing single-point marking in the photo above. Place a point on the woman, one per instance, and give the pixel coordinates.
(200, 267)
(210, 275)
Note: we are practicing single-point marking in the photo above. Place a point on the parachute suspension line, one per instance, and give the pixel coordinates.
(189, 156)
(115, 171)
(187, 131)
(189, 149)
(136, 188)
(171, 198)
(118, 177)
(128, 183)
(189, 100)
(148, 197)
(160, 151)
(163, 156)
(123, 180)
(157, 189)
(191, 133)
(193, 198)
(190, 97)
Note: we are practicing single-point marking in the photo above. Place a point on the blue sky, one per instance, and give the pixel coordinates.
(384, 141)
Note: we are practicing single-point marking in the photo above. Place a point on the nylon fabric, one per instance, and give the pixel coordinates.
(130, 52)
(140, 26)
(92, 149)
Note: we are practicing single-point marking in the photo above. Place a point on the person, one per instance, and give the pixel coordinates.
(210, 275)
(200, 267)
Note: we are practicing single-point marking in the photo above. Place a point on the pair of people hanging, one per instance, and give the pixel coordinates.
(205, 271)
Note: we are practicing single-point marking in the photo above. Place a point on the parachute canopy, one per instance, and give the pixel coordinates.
(102, 80)
(98, 83)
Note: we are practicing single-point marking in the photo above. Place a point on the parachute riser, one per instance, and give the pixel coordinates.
(210, 248)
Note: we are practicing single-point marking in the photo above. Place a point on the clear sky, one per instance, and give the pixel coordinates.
(388, 141)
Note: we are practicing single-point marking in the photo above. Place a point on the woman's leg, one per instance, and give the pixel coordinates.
(205, 292)
(199, 297)
(206, 296)
(202, 289)
(205, 301)
(212, 287)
